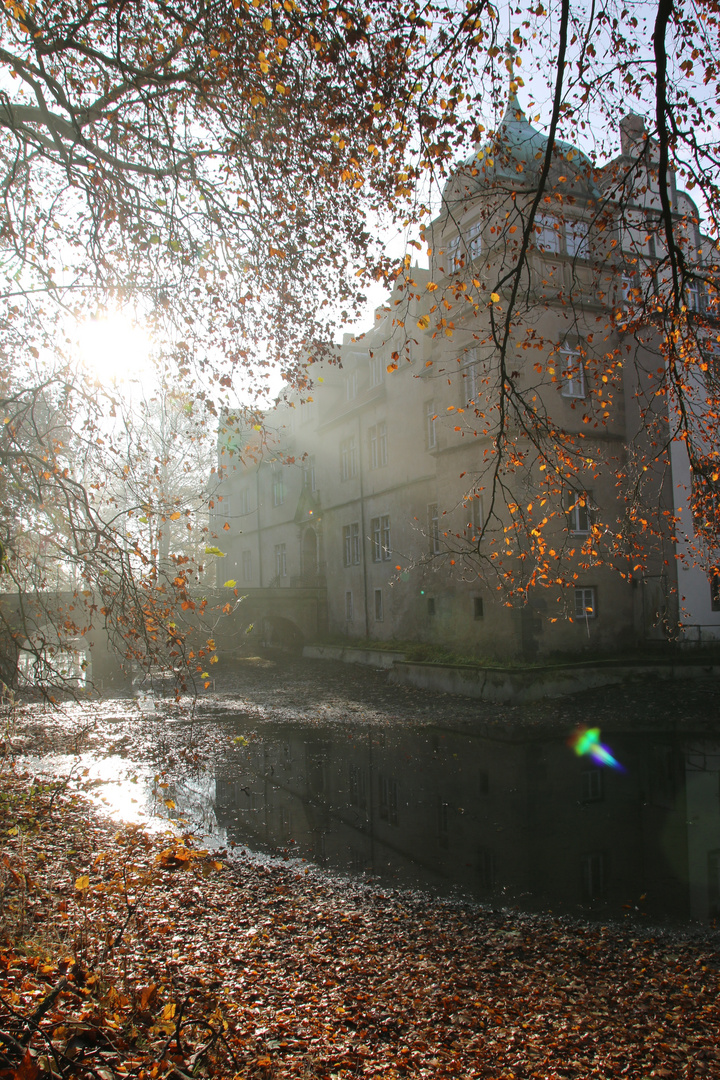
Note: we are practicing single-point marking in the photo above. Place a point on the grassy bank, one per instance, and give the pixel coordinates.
(124, 954)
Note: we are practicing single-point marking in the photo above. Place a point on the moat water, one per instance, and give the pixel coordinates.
(510, 817)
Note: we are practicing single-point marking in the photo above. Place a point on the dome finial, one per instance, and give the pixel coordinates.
(513, 110)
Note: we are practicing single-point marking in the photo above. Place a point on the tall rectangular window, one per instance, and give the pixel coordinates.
(382, 443)
(280, 560)
(358, 785)
(278, 487)
(547, 231)
(348, 606)
(576, 239)
(473, 239)
(629, 289)
(577, 509)
(453, 253)
(348, 459)
(473, 508)
(430, 429)
(244, 503)
(388, 799)
(469, 379)
(593, 868)
(351, 544)
(585, 603)
(377, 436)
(433, 529)
(373, 439)
(715, 591)
(572, 374)
(351, 383)
(592, 785)
(694, 295)
(246, 563)
(376, 370)
(378, 605)
(380, 535)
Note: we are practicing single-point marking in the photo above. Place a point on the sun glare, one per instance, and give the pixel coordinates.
(114, 349)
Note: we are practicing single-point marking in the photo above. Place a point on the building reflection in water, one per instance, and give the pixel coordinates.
(504, 821)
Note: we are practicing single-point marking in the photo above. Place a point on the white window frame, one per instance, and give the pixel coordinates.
(577, 509)
(351, 544)
(473, 239)
(572, 373)
(453, 252)
(693, 291)
(469, 379)
(629, 286)
(348, 459)
(351, 386)
(475, 518)
(382, 434)
(547, 234)
(430, 426)
(585, 602)
(278, 486)
(373, 440)
(577, 242)
(376, 370)
(380, 536)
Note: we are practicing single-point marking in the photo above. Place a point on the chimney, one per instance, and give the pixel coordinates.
(632, 132)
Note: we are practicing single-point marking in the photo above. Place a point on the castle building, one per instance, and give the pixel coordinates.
(489, 467)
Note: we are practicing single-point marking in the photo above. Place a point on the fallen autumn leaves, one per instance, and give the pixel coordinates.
(127, 954)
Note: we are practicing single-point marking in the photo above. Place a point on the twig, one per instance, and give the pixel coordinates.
(46, 1003)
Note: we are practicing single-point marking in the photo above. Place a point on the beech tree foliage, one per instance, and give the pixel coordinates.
(227, 165)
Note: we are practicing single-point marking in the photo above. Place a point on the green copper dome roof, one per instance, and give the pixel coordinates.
(517, 153)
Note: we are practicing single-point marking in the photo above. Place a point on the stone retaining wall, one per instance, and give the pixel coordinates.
(498, 684)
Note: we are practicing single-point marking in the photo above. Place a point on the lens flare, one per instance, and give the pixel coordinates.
(587, 741)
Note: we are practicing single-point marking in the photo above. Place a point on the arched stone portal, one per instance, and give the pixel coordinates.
(281, 633)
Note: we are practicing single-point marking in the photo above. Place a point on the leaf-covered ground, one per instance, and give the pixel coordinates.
(124, 954)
